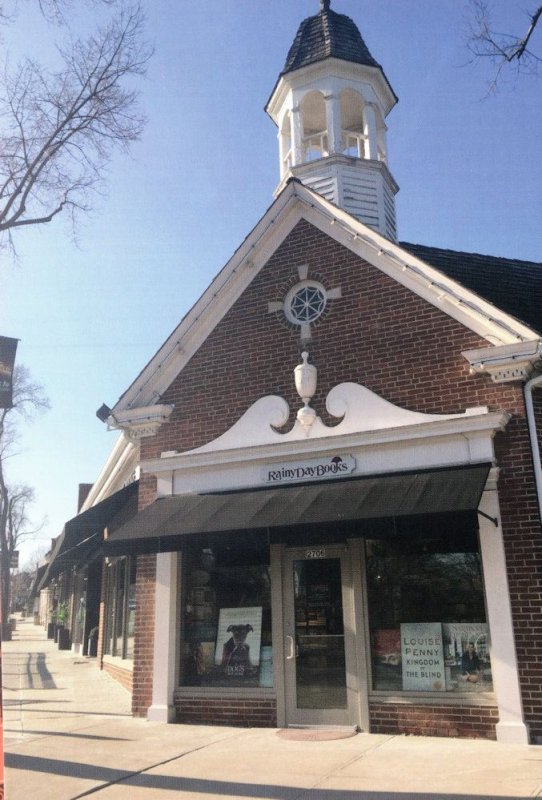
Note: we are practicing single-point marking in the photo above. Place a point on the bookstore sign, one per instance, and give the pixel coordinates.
(314, 469)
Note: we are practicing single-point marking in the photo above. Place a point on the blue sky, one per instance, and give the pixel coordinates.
(89, 316)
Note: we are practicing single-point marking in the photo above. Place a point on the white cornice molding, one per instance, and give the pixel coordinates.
(315, 73)
(120, 469)
(193, 460)
(507, 362)
(137, 423)
(295, 203)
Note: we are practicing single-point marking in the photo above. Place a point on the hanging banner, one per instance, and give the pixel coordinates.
(8, 348)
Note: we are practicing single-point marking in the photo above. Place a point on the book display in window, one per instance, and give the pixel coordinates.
(238, 641)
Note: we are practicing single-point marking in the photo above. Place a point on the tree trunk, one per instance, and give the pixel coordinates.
(5, 577)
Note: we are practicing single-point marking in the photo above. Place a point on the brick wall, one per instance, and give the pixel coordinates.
(250, 712)
(144, 621)
(377, 334)
(469, 722)
(122, 676)
(144, 638)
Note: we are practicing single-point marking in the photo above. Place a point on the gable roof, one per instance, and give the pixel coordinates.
(512, 285)
(294, 203)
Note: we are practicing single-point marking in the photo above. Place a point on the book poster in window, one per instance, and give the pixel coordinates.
(422, 657)
(199, 659)
(387, 646)
(466, 652)
(387, 674)
(238, 641)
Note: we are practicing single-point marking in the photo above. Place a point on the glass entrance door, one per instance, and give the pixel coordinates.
(318, 651)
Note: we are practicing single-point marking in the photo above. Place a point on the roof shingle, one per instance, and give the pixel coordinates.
(511, 285)
(326, 35)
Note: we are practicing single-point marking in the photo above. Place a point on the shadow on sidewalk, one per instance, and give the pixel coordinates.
(56, 711)
(32, 702)
(71, 735)
(213, 788)
(30, 668)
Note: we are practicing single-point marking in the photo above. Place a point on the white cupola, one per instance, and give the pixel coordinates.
(329, 105)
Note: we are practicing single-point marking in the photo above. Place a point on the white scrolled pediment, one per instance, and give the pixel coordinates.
(359, 409)
(362, 410)
(255, 427)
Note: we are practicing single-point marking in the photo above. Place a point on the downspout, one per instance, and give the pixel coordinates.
(531, 422)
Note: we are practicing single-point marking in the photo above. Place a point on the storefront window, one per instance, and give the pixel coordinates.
(120, 608)
(79, 605)
(226, 621)
(130, 610)
(426, 609)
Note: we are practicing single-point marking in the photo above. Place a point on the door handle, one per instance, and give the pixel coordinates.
(290, 653)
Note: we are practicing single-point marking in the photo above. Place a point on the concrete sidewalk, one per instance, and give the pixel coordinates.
(69, 734)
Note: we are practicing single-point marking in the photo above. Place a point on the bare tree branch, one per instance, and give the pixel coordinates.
(502, 49)
(15, 501)
(54, 11)
(58, 129)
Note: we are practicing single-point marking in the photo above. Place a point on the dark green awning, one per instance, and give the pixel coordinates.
(398, 494)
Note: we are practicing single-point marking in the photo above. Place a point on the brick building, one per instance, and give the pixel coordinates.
(337, 459)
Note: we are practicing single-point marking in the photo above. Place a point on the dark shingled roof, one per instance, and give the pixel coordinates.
(513, 286)
(326, 35)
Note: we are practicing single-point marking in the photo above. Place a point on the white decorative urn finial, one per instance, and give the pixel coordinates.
(305, 383)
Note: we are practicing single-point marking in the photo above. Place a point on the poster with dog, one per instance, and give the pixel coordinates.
(238, 641)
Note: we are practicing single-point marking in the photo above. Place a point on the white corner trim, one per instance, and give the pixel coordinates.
(511, 728)
(505, 363)
(137, 423)
(118, 470)
(165, 638)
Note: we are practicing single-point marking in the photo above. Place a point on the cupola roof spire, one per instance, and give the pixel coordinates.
(327, 35)
(330, 104)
